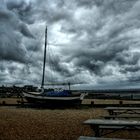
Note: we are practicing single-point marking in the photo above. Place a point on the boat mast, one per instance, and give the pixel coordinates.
(42, 84)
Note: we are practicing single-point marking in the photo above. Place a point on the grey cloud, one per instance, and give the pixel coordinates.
(131, 68)
(112, 45)
(57, 65)
(49, 11)
(87, 3)
(16, 4)
(22, 9)
(10, 37)
(10, 49)
(127, 58)
(25, 31)
(96, 39)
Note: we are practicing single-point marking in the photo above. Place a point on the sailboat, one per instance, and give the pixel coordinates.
(53, 96)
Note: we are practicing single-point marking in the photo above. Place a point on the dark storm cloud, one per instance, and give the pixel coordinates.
(101, 36)
(22, 9)
(127, 58)
(25, 31)
(95, 41)
(12, 30)
(111, 43)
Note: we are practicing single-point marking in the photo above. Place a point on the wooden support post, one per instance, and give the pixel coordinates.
(92, 103)
(121, 102)
(110, 112)
(96, 130)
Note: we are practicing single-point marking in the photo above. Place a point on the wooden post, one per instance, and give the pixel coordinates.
(92, 103)
(3, 102)
(110, 112)
(96, 130)
(121, 102)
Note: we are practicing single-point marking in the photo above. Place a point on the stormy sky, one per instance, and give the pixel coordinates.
(95, 43)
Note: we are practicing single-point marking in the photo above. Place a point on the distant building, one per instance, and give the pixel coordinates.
(29, 88)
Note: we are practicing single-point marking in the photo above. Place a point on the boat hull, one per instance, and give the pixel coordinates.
(53, 101)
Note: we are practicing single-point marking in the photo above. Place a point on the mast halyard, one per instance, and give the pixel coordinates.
(42, 84)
